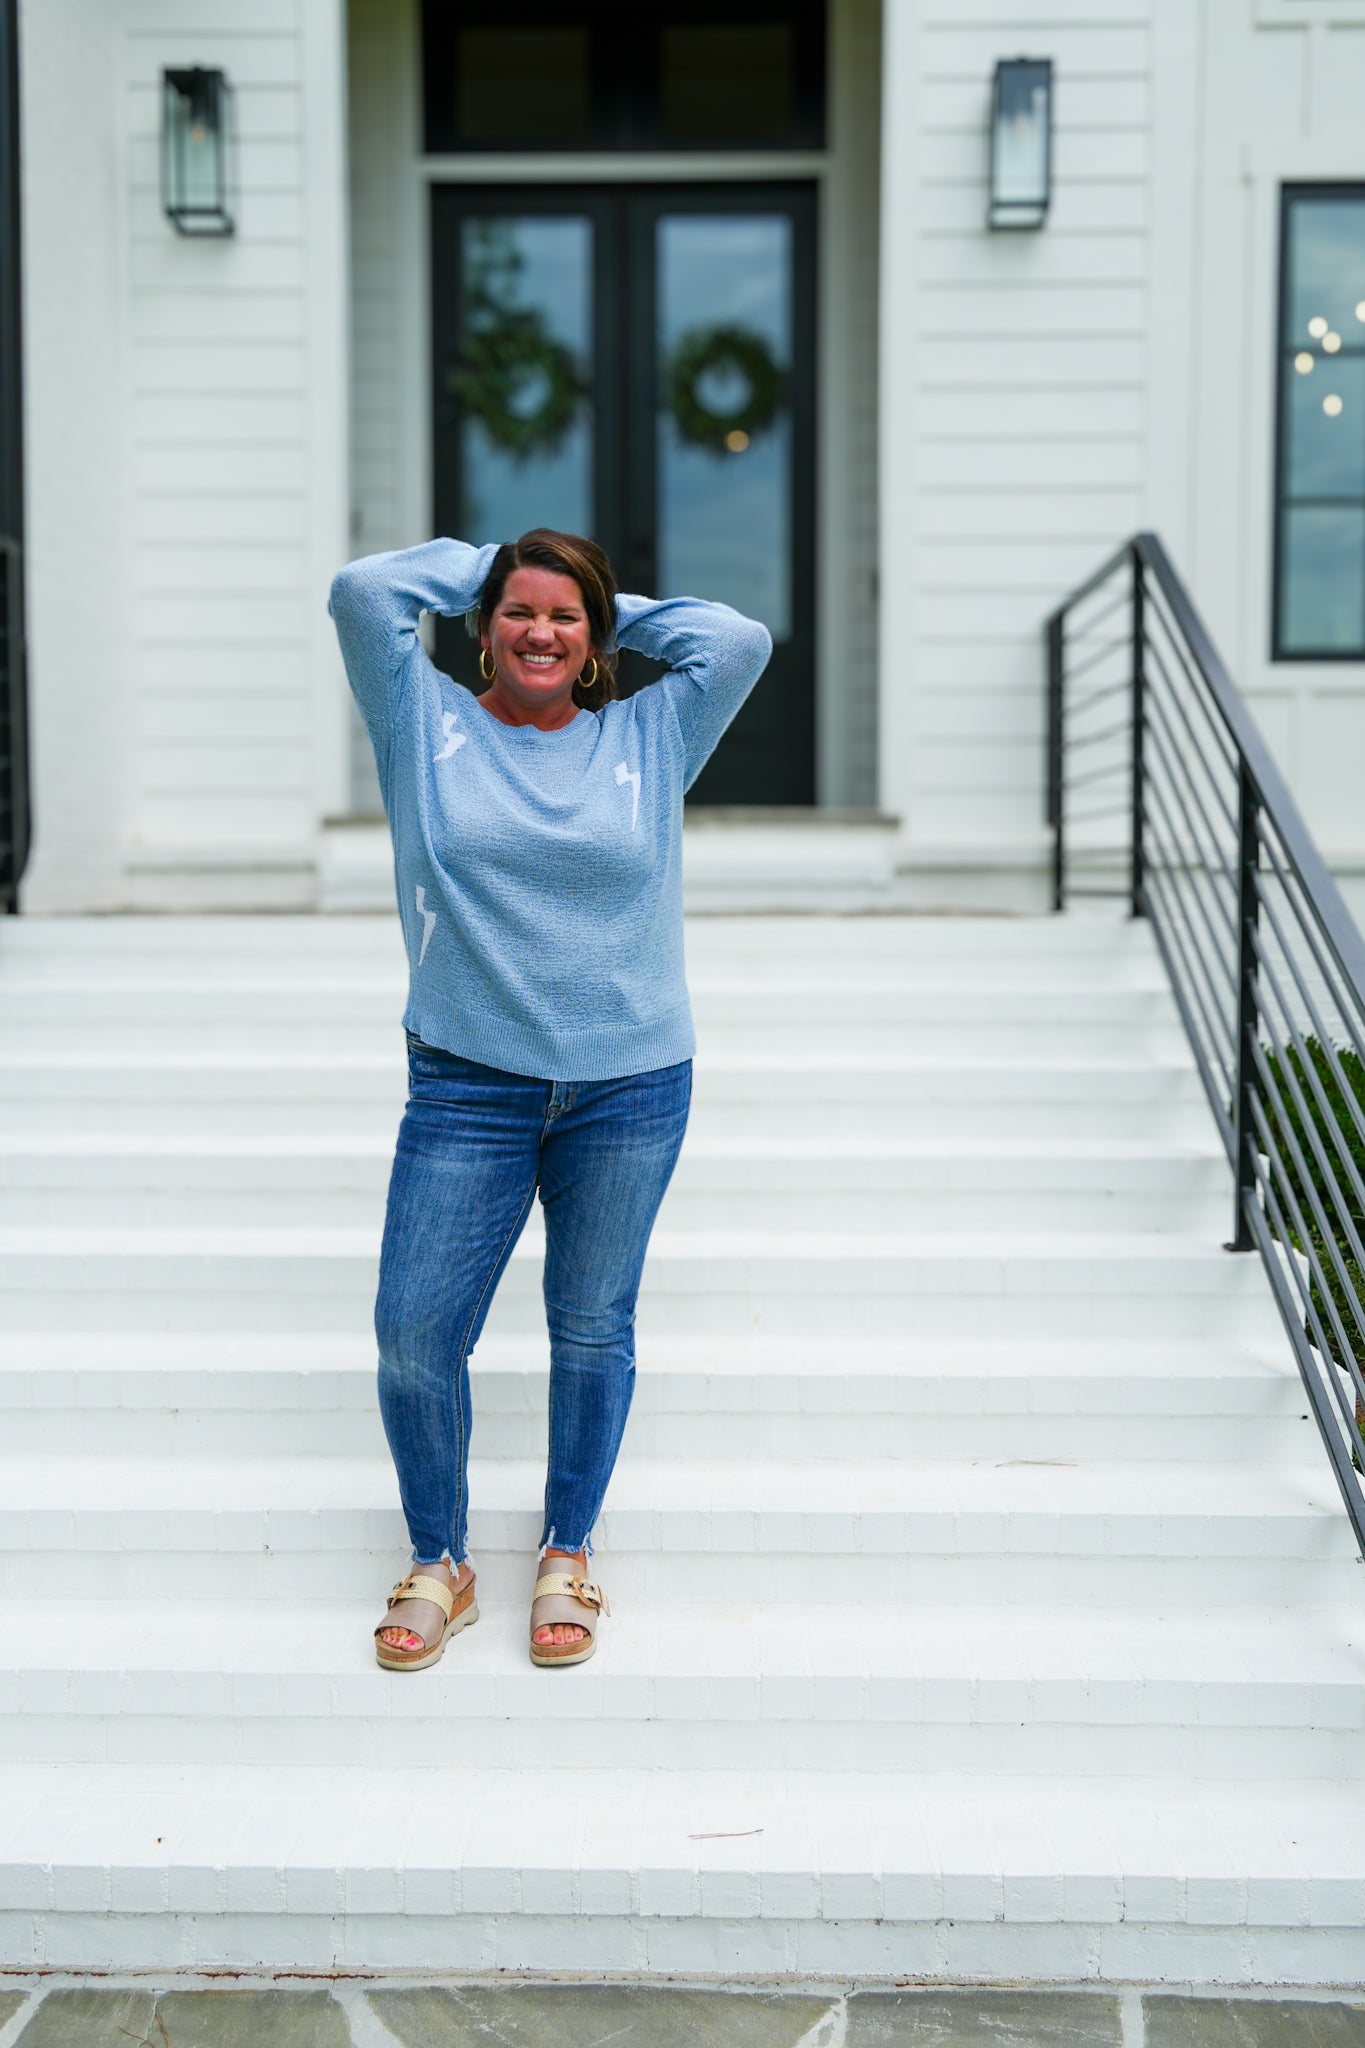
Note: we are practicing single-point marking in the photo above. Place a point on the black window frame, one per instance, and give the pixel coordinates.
(1285, 350)
(624, 68)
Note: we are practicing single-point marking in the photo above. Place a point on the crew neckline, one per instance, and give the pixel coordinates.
(557, 733)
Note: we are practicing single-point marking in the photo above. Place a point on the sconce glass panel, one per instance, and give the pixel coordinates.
(194, 151)
(1021, 143)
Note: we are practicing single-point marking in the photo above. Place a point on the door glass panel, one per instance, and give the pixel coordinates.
(521, 375)
(724, 426)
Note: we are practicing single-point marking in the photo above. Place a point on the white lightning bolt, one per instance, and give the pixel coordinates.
(453, 740)
(623, 776)
(428, 922)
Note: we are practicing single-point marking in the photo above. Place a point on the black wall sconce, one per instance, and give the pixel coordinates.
(1021, 143)
(194, 108)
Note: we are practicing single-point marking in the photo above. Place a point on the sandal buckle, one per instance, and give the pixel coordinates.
(589, 1593)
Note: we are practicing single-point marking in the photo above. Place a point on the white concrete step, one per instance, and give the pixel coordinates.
(68, 1182)
(984, 1602)
(770, 1872)
(997, 1530)
(718, 1397)
(1219, 1693)
(369, 995)
(794, 1282)
(358, 1020)
(130, 945)
(173, 1089)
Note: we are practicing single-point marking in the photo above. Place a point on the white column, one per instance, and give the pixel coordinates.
(896, 410)
(78, 556)
(323, 42)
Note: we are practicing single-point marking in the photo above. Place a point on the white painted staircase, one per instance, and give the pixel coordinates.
(984, 1604)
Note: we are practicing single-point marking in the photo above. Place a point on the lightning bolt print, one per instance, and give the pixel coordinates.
(623, 776)
(453, 740)
(428, 922)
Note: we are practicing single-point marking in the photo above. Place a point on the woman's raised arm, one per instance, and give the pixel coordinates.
(714, 657)
(377, 602)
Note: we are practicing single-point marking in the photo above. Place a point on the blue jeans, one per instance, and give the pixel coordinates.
(474, 1146)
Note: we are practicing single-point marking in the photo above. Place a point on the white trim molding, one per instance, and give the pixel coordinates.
(1305, 13)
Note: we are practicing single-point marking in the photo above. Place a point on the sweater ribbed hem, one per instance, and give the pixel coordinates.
(600, 1053)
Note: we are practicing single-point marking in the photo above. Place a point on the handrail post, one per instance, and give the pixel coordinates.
(1056, 674)
(1137, 865)
(1248, 1006)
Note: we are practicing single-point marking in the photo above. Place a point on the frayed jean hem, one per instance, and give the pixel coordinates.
(552, 1542)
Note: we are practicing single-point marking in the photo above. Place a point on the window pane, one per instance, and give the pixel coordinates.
(1320, 570)
(1326, 430)
(724, 423)
(521, 379)
(522, 87)
(549, 75)
(730, 84)
(1326, 269)
(1322, 588)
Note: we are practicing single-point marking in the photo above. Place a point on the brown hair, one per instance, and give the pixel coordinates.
(568, 554)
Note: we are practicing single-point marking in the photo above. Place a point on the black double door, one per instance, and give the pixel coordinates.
(639, 365)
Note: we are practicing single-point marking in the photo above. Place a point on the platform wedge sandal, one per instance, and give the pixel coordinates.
(565, 1598)
(459, 1609)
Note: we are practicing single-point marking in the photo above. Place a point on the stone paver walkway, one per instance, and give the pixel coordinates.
(647, 2016)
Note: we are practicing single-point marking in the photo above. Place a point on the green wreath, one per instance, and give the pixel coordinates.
(707, 349)
(495, 363)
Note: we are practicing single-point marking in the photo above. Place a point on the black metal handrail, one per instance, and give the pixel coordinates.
(1147, 729)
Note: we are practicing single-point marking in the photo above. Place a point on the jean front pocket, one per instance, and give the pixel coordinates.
(433, 1063)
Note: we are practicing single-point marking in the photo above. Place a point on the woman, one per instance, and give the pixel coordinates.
(537, 847)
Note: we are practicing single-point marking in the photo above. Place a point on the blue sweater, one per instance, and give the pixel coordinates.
(539, 873)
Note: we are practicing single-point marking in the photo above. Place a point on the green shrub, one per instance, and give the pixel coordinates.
(1287, 1113)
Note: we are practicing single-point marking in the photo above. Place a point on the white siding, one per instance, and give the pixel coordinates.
(1281, 100)
(1015, 399)
(214, 443)
(1046, 394)
(226, 359)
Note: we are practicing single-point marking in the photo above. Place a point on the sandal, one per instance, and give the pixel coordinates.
(459, 1611)
(566, 1597)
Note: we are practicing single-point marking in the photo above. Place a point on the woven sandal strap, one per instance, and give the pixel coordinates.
(574, 1586)
(419, 1588)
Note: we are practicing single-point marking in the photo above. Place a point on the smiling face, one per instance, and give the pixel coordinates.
(540, 641)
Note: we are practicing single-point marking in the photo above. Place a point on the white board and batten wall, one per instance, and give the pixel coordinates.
(200, 458)
(1282, 100)
(1044, 395)
(186, 459)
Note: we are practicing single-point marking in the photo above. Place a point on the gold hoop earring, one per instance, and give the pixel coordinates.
(491, 670)
(586, 681)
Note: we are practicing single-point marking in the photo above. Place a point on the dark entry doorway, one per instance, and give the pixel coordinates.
(639, 364)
